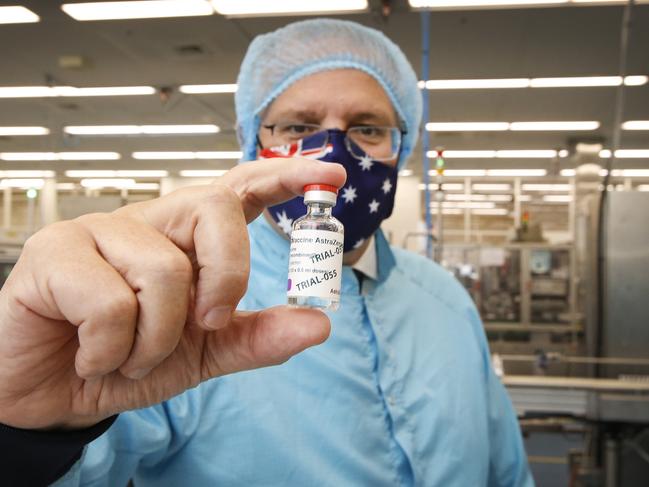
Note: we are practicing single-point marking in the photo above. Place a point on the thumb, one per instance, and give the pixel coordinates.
(262, 338)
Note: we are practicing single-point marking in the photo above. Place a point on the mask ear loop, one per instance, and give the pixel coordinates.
(259, 145)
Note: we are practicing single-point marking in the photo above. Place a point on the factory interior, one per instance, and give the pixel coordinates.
(529, 182)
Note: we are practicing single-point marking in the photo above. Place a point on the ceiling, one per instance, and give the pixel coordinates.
(544, 42)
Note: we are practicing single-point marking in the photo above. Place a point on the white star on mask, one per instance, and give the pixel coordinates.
(349, 194)
(387, 186)
(284, 222)
(374, 206)
(359, 243)
(366, 163)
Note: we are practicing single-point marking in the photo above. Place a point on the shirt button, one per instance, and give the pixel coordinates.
(391, 400)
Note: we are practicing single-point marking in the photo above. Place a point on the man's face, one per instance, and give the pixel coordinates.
(337, 99)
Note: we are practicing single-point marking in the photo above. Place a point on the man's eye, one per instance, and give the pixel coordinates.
(297, 130)
(369, 131)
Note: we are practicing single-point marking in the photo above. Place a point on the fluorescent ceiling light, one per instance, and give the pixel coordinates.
(215, 88)
(564, 82)
(435, 4)
(17, 14)
(473, 84)
(219, 155)
(546, 187)
(503, 126)
(119, 184)
(101, 173)
(516, 172)
(88, 156)
(636, 80)
(493, 172)
(630, 153)
(27, 174)
(467, 127)
(463, 154)
(71, 91)
(445, 186)
(636, 125)
(491, 187)
(13, 131)
(557, 198)
(491, 154)
(490, 211)
(624, 173)
(145, 186)
(164, 155)
(642, 187)
(550, 126)
(22, 183)
(148, 9)
(462, 172)
(500, 198)
(202, 173)
(188, 155)
(105, 91)
(564, 153)
(630, 173)
(107, 183)
(587, 81)
(264, 7)
(141, 129)
(66, 186)
(526, 154)
(447, 211)
(466, 204)
(59, 156)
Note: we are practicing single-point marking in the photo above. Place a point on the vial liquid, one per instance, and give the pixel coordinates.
(316, 256)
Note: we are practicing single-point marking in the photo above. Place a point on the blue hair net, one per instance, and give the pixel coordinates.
(278, 59)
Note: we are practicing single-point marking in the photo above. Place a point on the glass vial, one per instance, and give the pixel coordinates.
(316, 256)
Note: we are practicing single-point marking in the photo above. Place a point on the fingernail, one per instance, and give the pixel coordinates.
(217, 317)
(139, 373)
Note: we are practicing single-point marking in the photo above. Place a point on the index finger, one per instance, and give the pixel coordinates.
(264, 183)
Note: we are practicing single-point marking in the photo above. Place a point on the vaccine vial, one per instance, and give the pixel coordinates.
(316, 256)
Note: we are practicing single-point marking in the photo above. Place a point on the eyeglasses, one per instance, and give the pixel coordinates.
(379, 143)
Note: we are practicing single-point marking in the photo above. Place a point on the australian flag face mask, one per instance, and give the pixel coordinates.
(363, 203)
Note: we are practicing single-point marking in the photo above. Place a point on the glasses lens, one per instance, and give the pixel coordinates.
(380, 143)
(289, 132)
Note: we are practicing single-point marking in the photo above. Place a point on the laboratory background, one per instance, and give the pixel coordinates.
(530, 181)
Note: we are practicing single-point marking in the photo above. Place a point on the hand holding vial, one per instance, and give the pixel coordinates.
(118, 311)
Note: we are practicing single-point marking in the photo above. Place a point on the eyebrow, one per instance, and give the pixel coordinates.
(378, 118)
(307, 116)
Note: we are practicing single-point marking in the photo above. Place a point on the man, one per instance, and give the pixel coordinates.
(102, 316)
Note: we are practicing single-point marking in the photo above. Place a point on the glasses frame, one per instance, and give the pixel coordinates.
(348, 142)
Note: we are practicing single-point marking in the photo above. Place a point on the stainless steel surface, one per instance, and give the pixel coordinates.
(559, 358)
(537, 400)
(578, 383)
(619, 408)
(626, 324)
(545, 328)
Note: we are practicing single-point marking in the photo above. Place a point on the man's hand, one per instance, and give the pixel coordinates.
(111, 312)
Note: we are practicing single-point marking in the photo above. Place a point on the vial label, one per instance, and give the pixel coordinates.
(315, 264)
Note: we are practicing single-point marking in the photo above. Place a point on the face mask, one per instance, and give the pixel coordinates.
(363, 203)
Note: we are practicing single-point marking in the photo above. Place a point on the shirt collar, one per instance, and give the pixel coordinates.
(367, 262)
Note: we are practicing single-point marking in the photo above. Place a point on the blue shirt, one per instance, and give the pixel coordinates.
(401, 394)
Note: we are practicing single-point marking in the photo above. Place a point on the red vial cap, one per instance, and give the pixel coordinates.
(321, 187)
